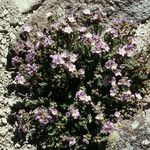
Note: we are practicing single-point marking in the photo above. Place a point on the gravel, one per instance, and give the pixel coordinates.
(11, 21)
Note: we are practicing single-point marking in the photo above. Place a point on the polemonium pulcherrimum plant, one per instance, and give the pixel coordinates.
(81, 78)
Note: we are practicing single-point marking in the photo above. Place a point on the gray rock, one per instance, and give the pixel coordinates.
(133, 134)
(3, 41)
(6, 52)
(27, 5)
(1, 66)
(17, 145)
(135, 124)
(145, 142)
(139, 10)
(2, 112)
(3, 131)
(5, 12)
(11, 102)
(1, 36)
(4, 121)
(3, 60)
(3, 47)
(12, 36)
(1, 28)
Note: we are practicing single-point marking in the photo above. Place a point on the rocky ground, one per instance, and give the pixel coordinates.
(11, 21)
(15, 13)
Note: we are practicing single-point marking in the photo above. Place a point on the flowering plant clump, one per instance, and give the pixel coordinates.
(80, 79)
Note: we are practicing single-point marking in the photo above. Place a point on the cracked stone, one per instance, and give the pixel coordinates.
(135, 124)
(145, 142)
(3, 41)
(3, 131)
(1, 36)
(4, 120)
(2, 112)
(27, 5)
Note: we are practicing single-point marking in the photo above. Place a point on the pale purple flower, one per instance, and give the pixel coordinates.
(122, 51)
(99, 47)
(117, 114)
(86, 98)
(47, 41)
(113, 32)
(73, 112)
(125, 82)
(113, 82)
(113, 92)
(71, 19)
(53, 111)
(43, 115)
(95, 17)
(104, 47)
(111, 64)
(57, 60)
(138, 96)
(71, 67)
(19, 79)
(15, 60)
(126, 95)
(81, 71)
(82, 96)
(31, 68)
(37, 45)
(131, 53)
(30, 55)
(72, 141)
(82, 29)
(85, 140)
(67, 30)
(86, 12)
(73, 57)
(27, 45)
(108, 127)
(117, 72)
(128, 49)
(95, 38)
(65, 54)
(88, 35)
(80, 93)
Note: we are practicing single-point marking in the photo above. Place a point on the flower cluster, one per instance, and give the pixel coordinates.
(64, 59)
(111, 64)
(74, 113)
(82, 96)
(44, 115)
(108, 127)
(128, 49)
(31, 68)
(19, 79)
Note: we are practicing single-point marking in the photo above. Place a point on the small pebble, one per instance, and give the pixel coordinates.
(1, 36)
(145, 142)
(17, 145)
(4, 120)
(3, 41)
(5, 12)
